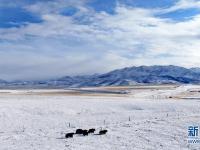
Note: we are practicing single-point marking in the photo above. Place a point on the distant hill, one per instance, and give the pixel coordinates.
(197, 70)
(120, 77)
(3, 82)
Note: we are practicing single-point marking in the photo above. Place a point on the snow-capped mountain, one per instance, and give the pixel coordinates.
(120, 77)
(154, 75)
(196, 69)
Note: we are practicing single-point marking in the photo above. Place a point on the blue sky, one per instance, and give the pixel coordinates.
(42, 39)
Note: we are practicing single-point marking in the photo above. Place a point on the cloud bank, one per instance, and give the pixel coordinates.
(76, 38)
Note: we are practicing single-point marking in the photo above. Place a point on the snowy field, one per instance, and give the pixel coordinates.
(144, 118)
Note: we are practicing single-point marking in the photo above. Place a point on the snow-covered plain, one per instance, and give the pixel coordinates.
(143, 119)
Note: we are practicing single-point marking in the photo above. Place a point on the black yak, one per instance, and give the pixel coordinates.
(69, 135)
(79, 131)
(103, 132)
(85, 132)
(91, 130)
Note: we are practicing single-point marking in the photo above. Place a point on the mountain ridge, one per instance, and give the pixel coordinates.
(120, 77)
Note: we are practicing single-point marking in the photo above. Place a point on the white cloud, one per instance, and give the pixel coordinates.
(181, 5)
(132, 36)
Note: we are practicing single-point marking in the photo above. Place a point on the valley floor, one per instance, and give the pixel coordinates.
(142, 118)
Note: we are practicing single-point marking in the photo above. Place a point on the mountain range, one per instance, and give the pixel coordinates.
(120, 77)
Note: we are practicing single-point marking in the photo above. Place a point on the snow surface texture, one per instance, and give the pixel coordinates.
(134, 122)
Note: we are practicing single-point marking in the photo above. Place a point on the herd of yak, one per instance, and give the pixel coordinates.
(84, 132)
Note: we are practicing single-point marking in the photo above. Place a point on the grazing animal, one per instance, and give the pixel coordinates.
(69, 135)
(103, 132)
(91, 130)
(85, 133)
(79, 131)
